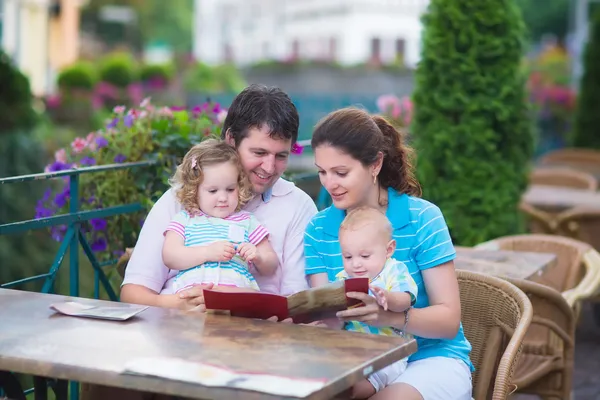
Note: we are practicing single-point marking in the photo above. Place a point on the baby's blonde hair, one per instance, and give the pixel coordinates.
(189, 175)
(363, 216)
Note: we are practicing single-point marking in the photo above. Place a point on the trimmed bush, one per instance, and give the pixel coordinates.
(81, 75)
(587, 116)
(16, 107)
(119, 69)
(472, 128)
(160, 72)
(206, 79)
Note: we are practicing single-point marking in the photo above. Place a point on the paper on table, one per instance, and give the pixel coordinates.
(119, 312)
(209, 375)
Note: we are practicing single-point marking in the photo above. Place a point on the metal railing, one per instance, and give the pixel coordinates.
(74, 237)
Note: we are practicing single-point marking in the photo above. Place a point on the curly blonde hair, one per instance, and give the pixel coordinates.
(189, 175)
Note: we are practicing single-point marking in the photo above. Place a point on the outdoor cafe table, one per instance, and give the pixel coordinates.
(503, 263)
(35, 340)
(555, 198)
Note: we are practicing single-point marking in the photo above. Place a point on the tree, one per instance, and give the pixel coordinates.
(472, 127)
(587, 116)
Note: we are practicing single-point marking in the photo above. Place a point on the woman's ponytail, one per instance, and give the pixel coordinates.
(397, 170)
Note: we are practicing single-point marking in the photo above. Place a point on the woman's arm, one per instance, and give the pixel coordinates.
(319, 279)
(441, 319)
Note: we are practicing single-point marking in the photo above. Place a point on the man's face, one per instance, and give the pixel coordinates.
(264, 158)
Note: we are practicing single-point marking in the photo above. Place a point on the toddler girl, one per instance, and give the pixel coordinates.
(211, 240)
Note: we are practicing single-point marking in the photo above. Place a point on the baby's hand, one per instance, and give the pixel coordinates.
(247, 251)
(380, 296)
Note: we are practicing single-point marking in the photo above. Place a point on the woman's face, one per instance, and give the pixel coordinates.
(345, 178)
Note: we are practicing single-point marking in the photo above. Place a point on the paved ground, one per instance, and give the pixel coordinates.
(586, 385)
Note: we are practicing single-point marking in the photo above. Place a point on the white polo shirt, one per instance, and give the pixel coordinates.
(285, 211)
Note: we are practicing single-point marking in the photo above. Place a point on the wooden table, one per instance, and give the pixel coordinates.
(555, 198)
(502, 263)
(35, 340)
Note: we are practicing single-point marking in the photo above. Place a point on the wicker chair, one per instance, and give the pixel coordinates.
(577, 158)
(538, 221)
(564, 177)
(576, 270)
(584, 225)
(546, 364)
(495, 317)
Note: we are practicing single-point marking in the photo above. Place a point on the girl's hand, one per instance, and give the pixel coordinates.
(371, 313)
(248, 252)
(380, 296)
(220, 251)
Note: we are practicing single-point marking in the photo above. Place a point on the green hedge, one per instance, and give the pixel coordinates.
(587, 116)
(472, 128)
(119, 69)
(81, 75)
(16, 101)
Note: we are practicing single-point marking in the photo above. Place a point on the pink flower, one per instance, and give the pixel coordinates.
(145, 103)
(78, 145)
(297, 149)
(221, 116)
(53, 101)
(61, 156)
(165, 112)
(389, 104)
(91, 141)
(119, 109)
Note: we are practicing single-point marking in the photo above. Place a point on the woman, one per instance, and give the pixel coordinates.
(362, 161)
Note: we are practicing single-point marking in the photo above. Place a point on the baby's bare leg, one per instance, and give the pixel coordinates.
(363, 390)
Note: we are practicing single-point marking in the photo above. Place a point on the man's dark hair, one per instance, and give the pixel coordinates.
(257, 106)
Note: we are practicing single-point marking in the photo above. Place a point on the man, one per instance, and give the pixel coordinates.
(262, 124)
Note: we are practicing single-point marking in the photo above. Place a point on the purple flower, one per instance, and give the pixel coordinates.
(99, 245)
(41, 211)
(216, 108)
(128, 120)
(112, 123)
(88, 161)
(57, 166)
(101, 142)
(47, 194)
(118, 253)
(58, 232)
(60, 200)
(98, 224)
(119, 158)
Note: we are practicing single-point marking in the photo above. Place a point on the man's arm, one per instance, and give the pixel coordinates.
(293, 271)
(146, 274)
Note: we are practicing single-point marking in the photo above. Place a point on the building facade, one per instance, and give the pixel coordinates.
(347, 32)
(41, 36)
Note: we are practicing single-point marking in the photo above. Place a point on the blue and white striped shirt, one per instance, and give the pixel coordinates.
(422, 242)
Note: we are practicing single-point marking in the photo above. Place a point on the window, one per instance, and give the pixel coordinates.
(375, 50)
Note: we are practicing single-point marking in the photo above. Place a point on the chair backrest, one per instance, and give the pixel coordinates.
(569, 268)
(582, 224)
(564, 177)
(495, 318)
(587, 160)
